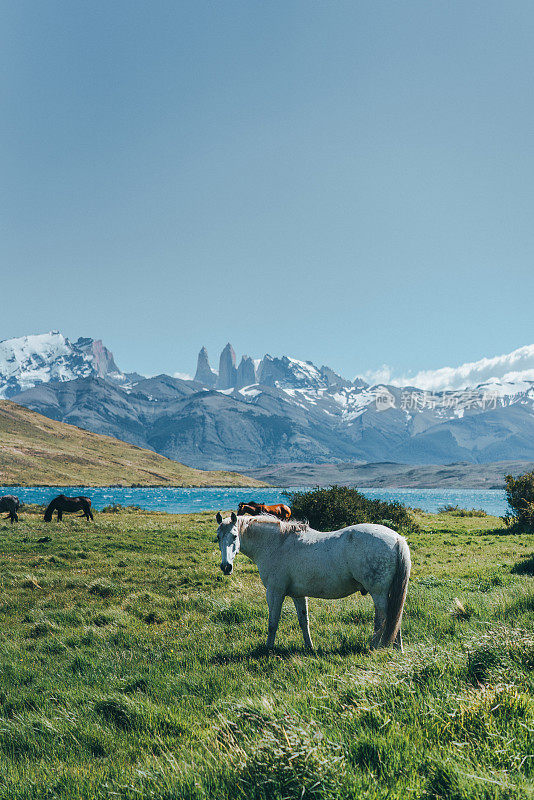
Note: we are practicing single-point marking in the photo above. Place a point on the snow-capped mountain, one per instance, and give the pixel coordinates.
(31, 360)
(268, 411)
(306, 385)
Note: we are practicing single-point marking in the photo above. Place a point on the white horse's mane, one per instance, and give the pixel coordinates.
(279, 525)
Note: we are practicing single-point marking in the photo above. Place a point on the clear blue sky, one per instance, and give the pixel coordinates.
(349, 182)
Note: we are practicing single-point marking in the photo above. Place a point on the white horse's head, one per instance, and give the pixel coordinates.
(228, 538)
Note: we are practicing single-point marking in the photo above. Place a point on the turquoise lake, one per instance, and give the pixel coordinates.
(182, 501)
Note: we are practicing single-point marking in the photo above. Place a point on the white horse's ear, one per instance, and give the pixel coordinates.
(218, 517)
(233, 517)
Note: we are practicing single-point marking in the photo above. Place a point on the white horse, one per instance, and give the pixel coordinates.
(296, 561)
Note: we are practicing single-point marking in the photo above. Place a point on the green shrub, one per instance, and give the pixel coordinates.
(456, 511)
(520, 497)
(339, 506)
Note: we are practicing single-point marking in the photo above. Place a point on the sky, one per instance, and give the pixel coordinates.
(346, 182)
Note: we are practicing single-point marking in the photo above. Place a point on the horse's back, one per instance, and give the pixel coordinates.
(362, 532)
(372, 530)
(362, 555)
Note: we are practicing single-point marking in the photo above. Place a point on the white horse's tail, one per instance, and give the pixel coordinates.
(397, 593)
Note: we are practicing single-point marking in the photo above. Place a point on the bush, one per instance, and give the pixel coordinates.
(456, 511)
(339, 506)
(520, 496)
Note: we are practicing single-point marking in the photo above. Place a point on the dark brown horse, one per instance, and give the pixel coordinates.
(254, 509)
(11, 504)
(63, 503)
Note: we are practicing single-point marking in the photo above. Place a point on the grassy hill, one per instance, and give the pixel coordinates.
(37, 450)
(133, 669)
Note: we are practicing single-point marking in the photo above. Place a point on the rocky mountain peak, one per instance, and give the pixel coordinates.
(100, 357)
(204, 374)
(332, 378)
(227, 369)
(246, 372)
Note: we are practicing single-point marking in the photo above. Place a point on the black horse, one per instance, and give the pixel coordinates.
(11, 504)
(63, 503)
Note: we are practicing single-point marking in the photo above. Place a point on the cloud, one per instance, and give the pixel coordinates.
(183, 376)
(509, 368)
(383, 374)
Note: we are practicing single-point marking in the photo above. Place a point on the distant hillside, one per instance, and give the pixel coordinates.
(37, 450)
(389, 475)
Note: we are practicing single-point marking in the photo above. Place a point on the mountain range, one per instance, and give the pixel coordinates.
(274, 410)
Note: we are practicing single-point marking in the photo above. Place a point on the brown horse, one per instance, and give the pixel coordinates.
(279, 510)
(63, 503)
(255, 509)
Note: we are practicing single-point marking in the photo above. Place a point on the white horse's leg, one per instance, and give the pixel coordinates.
(380, 602)
(301, 605)
(274, 601)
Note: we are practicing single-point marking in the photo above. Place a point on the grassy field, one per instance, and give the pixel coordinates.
(131, 668)
(35, 450)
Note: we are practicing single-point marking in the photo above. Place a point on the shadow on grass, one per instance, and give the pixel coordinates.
(525, 566)
(258, 652)
(510, 530)
(346, 647)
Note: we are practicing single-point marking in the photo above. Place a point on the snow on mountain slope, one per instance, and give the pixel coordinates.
(492, 421)
(289, 373)
(30, 360)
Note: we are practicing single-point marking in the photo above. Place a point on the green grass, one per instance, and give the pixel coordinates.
(130, 667)
(35, 450)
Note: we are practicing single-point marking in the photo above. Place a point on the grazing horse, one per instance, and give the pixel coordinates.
(62, 503)
(11, 504)
(254, 509)
(296, 561)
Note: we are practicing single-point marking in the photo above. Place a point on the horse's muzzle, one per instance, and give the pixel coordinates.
(226, 568)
